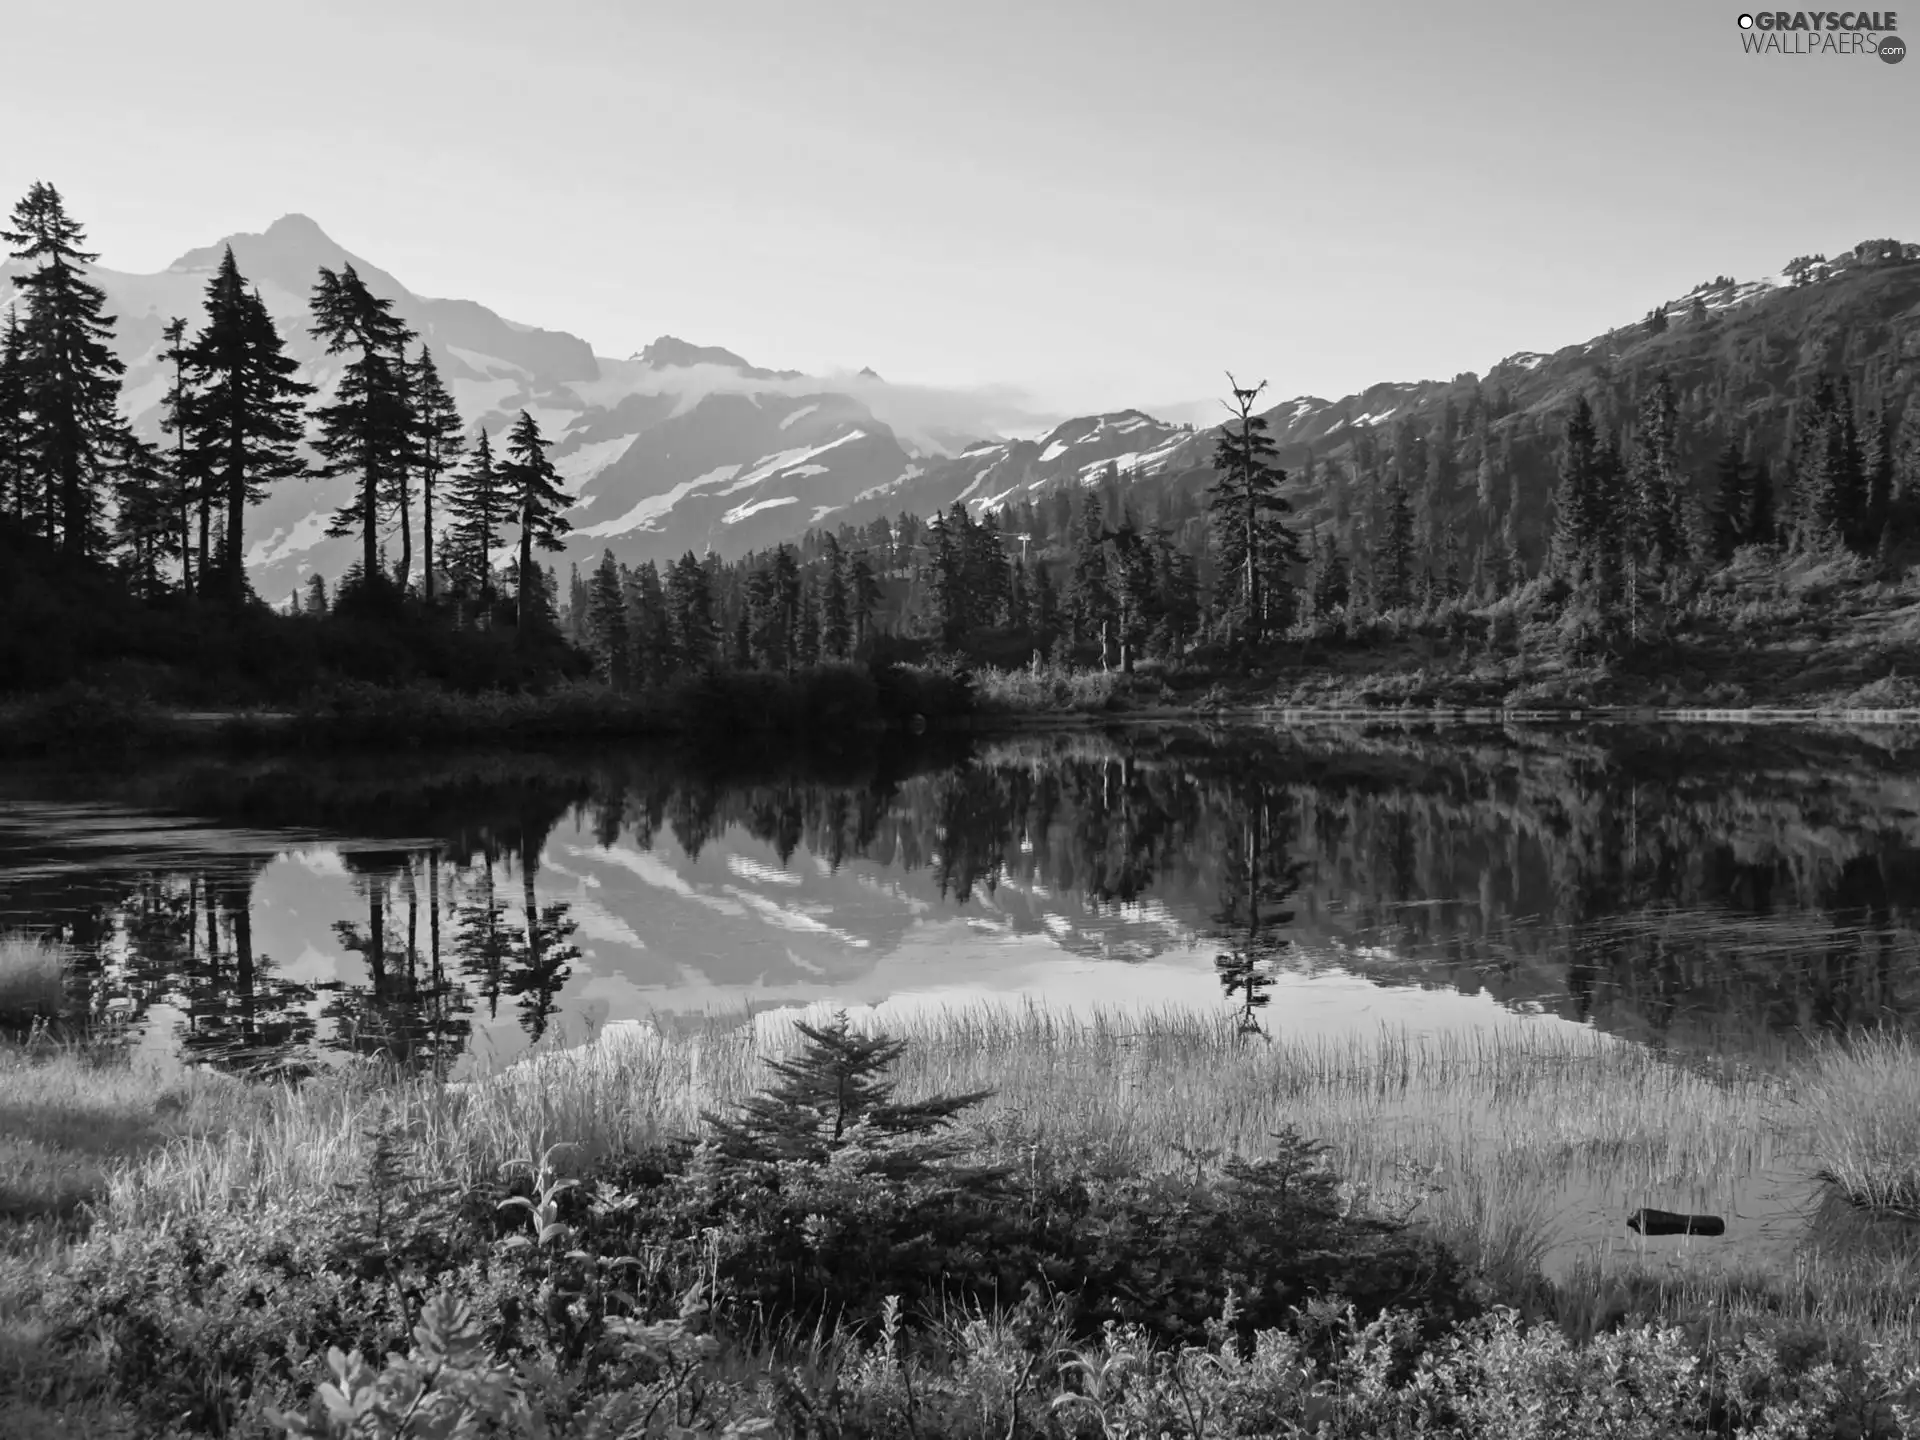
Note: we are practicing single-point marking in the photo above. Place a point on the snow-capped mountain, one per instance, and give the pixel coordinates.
(679, 447)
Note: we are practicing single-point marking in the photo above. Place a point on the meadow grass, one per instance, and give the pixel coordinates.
(1493, 1141)
(1516, 1146)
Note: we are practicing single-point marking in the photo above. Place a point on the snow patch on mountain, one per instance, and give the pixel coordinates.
(306, 532)
(651, 507)
(800, 414)
(578, 467)
(741, 512)
(773, 464)
(1053, 451)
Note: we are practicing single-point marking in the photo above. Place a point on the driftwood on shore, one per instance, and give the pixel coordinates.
(1669, 1222)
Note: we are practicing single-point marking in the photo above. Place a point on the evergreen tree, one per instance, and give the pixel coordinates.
(831, 1096)
(836, 620)
(1046, 602)
(1580, 501)
(1394, 561)
(1733, 500)
(316, 594)
(16, 489)
(1904, 469)
(1248, 514)
(439, 442)
(176, 419)
(367, 431)
(481, 505)
(1329, 576)
(1089, 597)
(689, 604)
(539, 503)
(1876, 473)
(247, 414)
(1135, 589)
(606, 615)
(945, 578)
(69, 377)
(144, 514)
(806, 640)
(865, 598)
(786, 590)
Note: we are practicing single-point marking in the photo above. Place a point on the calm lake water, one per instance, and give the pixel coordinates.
(1693, 887)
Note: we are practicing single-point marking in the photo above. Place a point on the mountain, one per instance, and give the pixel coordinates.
(686, 446)
(680, 447)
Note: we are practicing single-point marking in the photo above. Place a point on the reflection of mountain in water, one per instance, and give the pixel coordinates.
(1653, 881)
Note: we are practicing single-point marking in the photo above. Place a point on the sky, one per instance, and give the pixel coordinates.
(1103, 203)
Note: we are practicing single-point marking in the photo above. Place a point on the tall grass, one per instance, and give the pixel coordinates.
(1512, 1145)
(33, 979)
(1867, 1095)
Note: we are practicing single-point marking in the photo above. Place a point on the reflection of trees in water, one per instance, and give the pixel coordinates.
(241, 1016)
(1638, 880)
(1259, 875)
(409, 1013)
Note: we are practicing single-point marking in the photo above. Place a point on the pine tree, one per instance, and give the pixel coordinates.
(836, 621)
(1876, 474)
(689, 603)
(482, 507)
(247, 414)
(606, 623)
(69, 376)
(1394, 561)
(144, 513)
(439, 441)
(1248, 512)
(176, 419)
(865, 598)
(16, 488)
(1904, 467)
(1733, 500)
(831, 1096)
(316, 594)
(1046, 603)
(1579, 504)
(366, 431)
(538, 500)
(1089, 597)
(786, 590)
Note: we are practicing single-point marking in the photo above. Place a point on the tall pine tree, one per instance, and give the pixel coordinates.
(1248, 514)
(439, 441)
(482, 508)
(73, 436)
(365, 431)
(247, 413)
(539, 504)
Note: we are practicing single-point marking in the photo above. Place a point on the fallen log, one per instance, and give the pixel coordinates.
(1668, 1222)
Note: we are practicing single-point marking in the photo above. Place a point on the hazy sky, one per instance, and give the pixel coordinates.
(1106, 203)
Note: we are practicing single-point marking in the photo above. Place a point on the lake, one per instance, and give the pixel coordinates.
(1702, 888)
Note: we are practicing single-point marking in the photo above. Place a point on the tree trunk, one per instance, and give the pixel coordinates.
(426, 532)
(525, 611)
(406, 531)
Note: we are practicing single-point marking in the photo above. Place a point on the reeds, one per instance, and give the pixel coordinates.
(33, 980)
(1866, 1097)
(1517, 1145)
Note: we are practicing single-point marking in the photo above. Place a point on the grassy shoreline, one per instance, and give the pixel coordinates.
(89, 722)
(1465, 1145)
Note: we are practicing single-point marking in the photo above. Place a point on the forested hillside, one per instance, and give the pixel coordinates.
(1716, 503)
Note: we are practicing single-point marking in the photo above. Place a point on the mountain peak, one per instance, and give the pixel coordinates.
(867, 372)
(670, 352)
(295, 226)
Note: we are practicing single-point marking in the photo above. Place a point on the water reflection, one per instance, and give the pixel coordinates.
(1672, 885)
